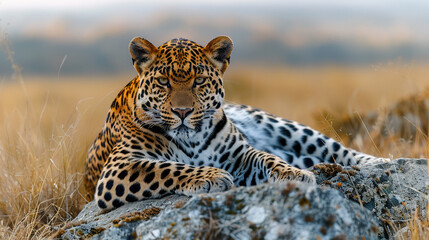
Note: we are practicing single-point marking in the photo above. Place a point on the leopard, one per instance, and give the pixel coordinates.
(171, 131)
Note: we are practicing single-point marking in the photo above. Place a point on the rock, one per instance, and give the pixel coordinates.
(381, 195)
(119, 222)
(276, 211)
(392, 191)
(280, 211)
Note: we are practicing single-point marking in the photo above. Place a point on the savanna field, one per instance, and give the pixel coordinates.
(47, 124)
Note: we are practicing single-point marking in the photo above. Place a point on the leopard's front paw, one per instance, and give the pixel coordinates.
(306, 176)
(211, 180)
(291, 173)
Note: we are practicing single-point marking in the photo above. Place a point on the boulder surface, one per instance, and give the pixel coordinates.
(393, 191)
(347, 203)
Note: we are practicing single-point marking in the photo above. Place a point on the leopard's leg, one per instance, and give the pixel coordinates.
(283, 138)
(129, 179)
(254, 167)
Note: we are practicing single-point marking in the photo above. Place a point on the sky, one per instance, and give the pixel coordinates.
(66, 4)
(49, 4)
(73, 4)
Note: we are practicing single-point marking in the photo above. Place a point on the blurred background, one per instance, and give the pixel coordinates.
(310, 61)
(94, 35)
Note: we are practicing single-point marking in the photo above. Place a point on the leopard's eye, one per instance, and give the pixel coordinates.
(200, 80)
(163, 81)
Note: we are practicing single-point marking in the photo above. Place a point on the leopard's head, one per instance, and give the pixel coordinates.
(181, 85)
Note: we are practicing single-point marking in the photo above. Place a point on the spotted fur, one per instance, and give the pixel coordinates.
(168, 132)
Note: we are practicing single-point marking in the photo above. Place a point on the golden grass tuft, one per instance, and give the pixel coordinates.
(46, 129)
(399, 130)
(418, 226)
(40, 171)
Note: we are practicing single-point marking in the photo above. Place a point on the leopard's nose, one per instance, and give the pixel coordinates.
(182, 113)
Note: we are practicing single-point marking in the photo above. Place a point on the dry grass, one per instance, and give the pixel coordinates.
(393, 130)
(47, 126)
(46, 130)
(300, 93)
(418, 227)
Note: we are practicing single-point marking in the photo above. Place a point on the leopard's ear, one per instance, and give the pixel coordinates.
(218, 51)
(142, 52)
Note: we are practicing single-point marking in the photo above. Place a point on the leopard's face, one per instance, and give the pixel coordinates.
(180, 83)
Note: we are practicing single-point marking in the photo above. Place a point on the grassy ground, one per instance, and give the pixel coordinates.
(47, 125)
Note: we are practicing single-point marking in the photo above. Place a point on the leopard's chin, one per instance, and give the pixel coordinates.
(182, 132)
(183, 129)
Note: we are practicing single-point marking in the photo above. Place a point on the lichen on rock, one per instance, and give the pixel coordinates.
(392, 191)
